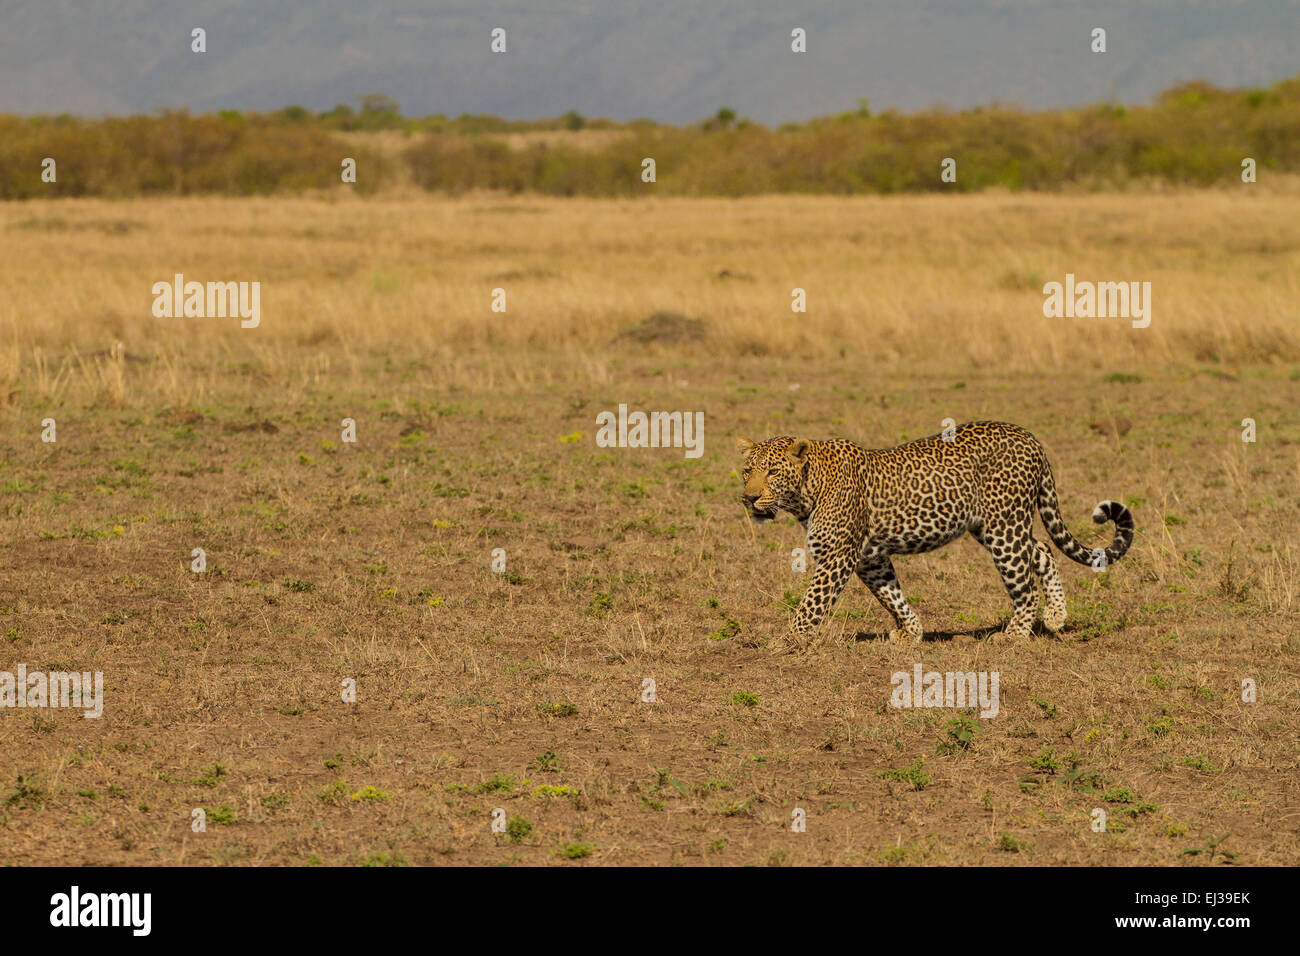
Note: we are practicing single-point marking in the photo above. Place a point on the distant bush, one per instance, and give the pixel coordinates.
(1194, 134)
(173, 153)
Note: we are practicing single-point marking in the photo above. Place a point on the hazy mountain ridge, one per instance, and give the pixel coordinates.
(670, 60)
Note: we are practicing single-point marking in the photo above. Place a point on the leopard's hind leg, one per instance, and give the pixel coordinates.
(1050, 578)
(1014, 555)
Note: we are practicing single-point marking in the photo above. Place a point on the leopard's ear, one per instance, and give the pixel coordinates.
(799, 450)
(744, 445)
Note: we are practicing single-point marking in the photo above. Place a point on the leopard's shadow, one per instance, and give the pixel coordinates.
(978, 633)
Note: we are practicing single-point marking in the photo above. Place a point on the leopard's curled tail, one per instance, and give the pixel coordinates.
(1060, 534)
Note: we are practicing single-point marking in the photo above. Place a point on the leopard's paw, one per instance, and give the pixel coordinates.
(790, 643)
(1010, 634)
(905, 634)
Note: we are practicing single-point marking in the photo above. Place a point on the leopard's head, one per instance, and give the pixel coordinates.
(775, 476)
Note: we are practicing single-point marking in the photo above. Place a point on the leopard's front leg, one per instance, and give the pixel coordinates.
(831, 575)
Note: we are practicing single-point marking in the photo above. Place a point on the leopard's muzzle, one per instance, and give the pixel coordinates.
(761, 510)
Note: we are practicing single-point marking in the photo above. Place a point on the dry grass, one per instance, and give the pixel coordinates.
(372, 561)
(887, 279)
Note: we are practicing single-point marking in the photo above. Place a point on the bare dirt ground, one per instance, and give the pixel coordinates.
(521, 690)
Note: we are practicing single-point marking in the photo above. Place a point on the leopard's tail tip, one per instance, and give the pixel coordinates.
(1124, 526)
(1106, 510)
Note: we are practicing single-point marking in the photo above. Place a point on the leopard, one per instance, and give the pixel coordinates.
(861, 506)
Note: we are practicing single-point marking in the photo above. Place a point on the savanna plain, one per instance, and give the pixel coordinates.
(520, 689)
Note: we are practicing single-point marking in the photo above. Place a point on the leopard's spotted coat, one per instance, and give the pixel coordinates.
(860, 506)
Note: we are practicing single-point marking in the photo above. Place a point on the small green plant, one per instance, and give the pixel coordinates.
(1211, 849)
(712, 786)
(1046, 761)
(562, 708)
(222, 816)
(333, 793)
(369, 794)
(1009, 844)
(576, 851)
(745, 698)
(961, 731)
(894, 855)
(1095, 619)
(497, 783)
(914, 774)
(1161, 727)
(1081, 778)
(600, 604)
(517, 829)
(633, 489)
(546, 762)
(730, 629)
(562, 790)
(1138, 809)
(209, 778)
